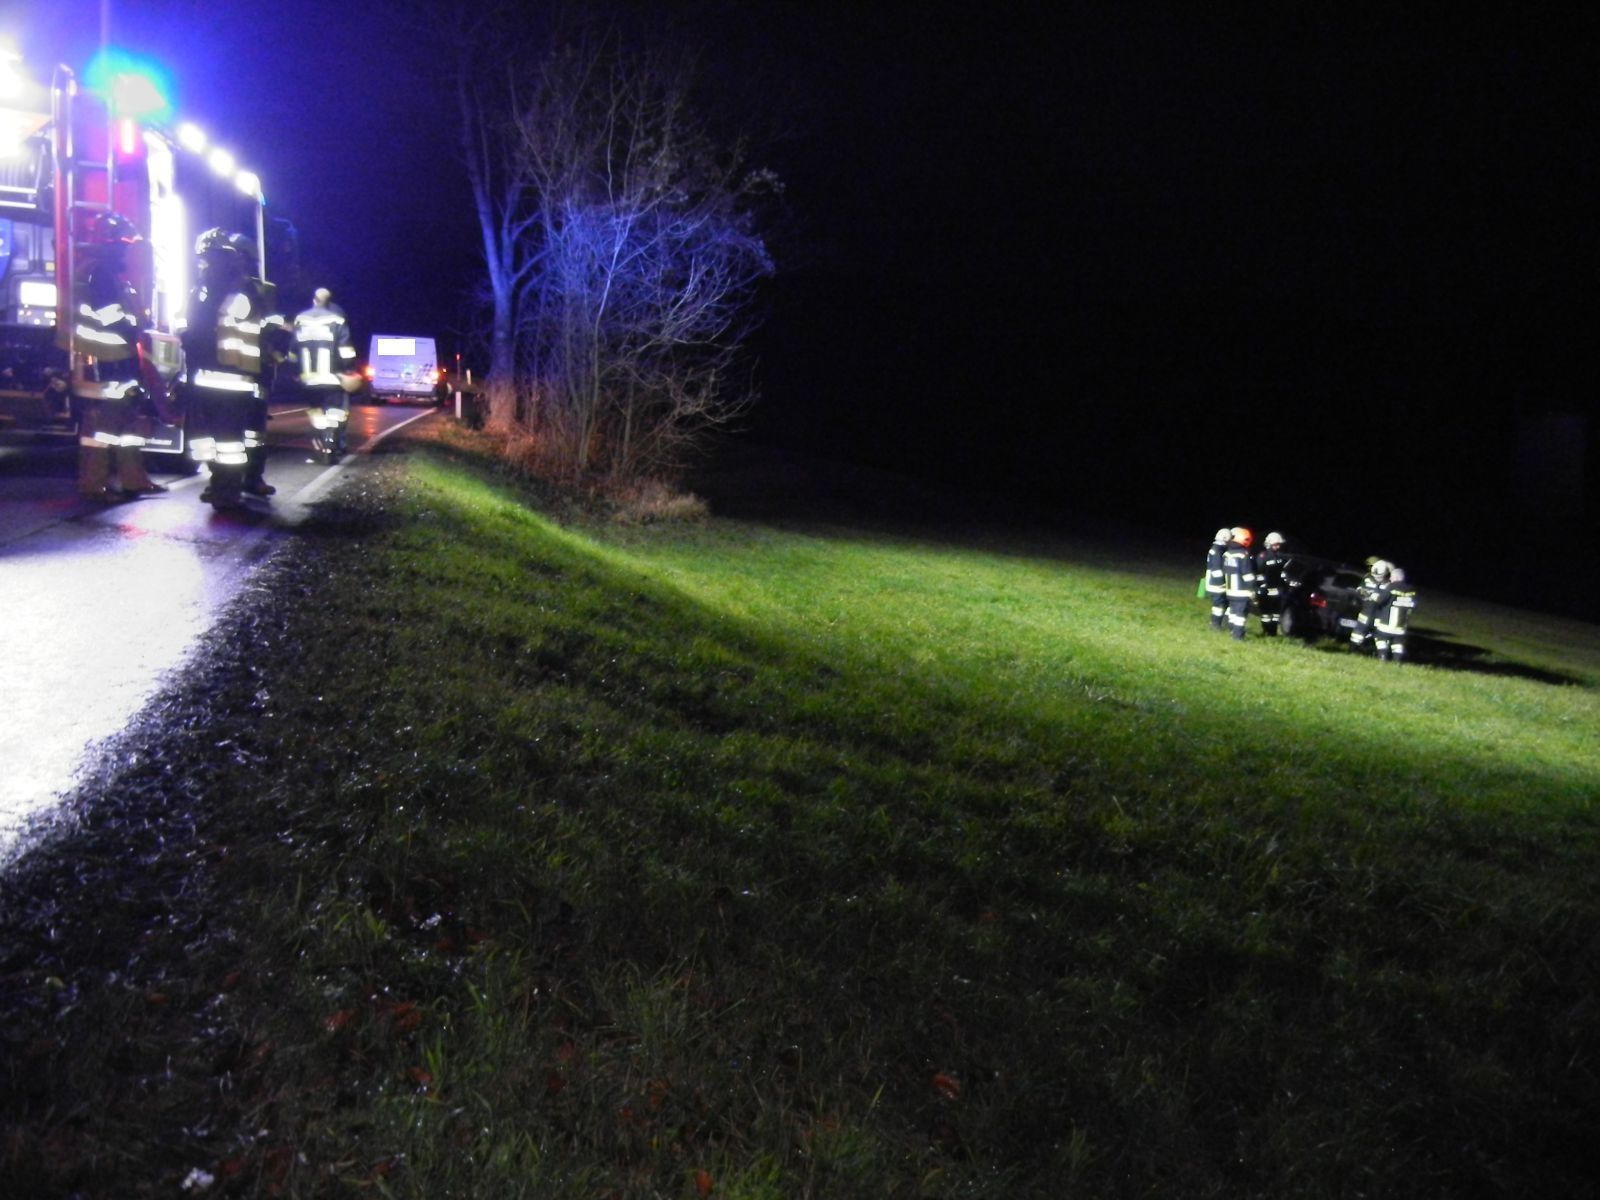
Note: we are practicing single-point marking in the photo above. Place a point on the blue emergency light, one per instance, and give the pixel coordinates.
(131, 86)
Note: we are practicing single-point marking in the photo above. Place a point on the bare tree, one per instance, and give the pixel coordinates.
(491, 42)
(638, 257)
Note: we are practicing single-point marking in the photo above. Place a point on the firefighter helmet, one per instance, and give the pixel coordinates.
(1381, 569)
(1224, 534)
(1397, 576)
(213, 242)
(1273, 539)
(1242, 535)
(113, 229)
(242, 246)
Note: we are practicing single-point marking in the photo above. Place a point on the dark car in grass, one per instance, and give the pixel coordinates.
(1321, 597)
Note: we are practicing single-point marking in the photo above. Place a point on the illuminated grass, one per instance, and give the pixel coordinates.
(831, 864)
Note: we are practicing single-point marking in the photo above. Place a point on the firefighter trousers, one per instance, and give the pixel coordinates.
(111, 439)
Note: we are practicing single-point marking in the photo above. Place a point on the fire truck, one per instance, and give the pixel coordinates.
(69, 159)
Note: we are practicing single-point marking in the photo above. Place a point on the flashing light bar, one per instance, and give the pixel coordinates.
(221, 162)
(192, 138)
(130, 84)
(137, 95)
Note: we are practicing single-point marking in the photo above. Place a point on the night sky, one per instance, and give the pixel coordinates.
(1328, 269)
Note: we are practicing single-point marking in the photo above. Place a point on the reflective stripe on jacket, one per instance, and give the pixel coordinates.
(238, 335)
(1216, 580)
(1396, 603)
(1269, 571)
(322, 342)
(1239, 567)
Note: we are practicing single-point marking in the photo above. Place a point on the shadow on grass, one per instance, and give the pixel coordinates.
(1435, 648)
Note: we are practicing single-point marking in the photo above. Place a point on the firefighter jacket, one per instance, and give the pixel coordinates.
(1367, 594)
(1270, 566)
(1238, 567)
(239, 326)
(1216, 579)
(106, 328)
(322, 342)
(222, 345)
(107, 324)
(1395, 602)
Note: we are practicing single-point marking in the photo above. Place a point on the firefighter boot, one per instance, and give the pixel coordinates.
(226, 487)
(94, 472)
(132, 478)
(255, 482)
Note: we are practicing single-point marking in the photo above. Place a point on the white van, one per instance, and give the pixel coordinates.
(402, 368)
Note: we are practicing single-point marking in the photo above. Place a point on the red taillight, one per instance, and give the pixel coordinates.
(1317, 600)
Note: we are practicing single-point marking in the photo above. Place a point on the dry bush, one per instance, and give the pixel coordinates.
(524, 454)
(629, 502)
(648, 501)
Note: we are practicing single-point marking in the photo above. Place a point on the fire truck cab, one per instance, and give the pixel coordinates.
(72, 167)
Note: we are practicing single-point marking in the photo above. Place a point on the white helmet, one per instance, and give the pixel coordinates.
(1225, 534)
(1274, 539)
(1396, 575)
(1381, 569)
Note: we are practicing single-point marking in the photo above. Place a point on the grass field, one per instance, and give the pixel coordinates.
(735, 859)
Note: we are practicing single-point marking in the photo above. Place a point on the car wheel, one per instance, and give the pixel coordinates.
(1291, 623)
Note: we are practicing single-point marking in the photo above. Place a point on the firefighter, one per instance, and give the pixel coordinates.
(1397, 600)
(1270, 563)
(222, 356)
(1239, 571)
(1216, 581)
(272, 334)
(327, 358)
(1369, 591)
(115, 408)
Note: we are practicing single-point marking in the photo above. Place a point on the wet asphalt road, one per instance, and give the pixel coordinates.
(99, 605)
